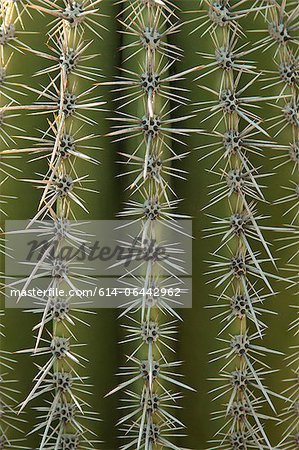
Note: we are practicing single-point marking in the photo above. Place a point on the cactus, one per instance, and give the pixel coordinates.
(64, 418)
(237, 267)
(148, 106)
(11, 435)
(283, 40)
(150, 420)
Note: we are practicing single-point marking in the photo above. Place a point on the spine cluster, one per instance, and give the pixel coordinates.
(66, 98)
(238, 265)
(149, 408)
